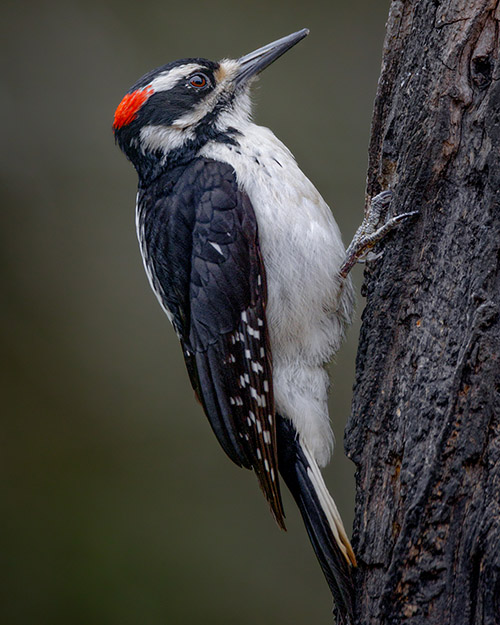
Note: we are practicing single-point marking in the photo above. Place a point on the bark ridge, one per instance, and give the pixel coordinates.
(425, 425)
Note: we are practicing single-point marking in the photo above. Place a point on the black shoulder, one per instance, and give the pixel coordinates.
(199, 238)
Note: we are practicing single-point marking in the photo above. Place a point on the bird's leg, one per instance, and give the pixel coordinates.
(371, 232)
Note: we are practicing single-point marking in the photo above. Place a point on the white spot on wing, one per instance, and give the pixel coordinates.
(254, 333)
(261, 400)
(257, 367)
(216, 247)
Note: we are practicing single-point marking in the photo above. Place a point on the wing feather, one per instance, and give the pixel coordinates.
(201, 251)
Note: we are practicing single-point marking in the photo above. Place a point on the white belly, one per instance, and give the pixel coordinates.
(302, 251)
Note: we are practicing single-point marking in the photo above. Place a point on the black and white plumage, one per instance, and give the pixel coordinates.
(216, 301)
(244, 256)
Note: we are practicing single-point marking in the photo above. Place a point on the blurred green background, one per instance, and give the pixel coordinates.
(118, 506)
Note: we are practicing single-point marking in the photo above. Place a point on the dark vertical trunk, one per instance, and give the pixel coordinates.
(425, 426)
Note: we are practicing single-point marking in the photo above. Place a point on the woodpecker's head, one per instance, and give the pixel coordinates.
(174, 110)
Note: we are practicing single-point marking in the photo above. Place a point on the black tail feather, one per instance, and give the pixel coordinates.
(293, 466)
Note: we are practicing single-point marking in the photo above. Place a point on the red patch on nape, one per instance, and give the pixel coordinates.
(129, 107)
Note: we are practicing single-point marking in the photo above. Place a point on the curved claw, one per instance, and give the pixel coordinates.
(368, 234)
(378, 204)
(370, 257)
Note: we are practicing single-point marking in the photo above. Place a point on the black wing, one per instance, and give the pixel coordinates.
(201, 251)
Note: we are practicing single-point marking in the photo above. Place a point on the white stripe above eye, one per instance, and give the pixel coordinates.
(171, 77)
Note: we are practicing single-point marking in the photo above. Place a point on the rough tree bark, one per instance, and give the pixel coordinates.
(425, 426)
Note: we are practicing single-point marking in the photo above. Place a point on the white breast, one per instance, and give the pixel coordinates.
(302, 251)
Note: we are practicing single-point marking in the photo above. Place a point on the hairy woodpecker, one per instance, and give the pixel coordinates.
(248, 264)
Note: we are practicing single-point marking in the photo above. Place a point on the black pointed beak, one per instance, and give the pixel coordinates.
(253, 63)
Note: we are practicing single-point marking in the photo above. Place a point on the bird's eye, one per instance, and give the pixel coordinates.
(199, 81)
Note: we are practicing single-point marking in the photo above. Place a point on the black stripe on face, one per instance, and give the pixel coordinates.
(165, 107)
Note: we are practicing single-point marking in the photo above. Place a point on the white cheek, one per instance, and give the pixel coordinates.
(164, 138)
(196, 115)
(203, 108)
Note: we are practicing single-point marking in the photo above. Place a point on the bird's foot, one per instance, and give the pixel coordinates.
(371, 232)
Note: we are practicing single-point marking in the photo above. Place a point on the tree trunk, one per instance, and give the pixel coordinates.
(425, 426)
